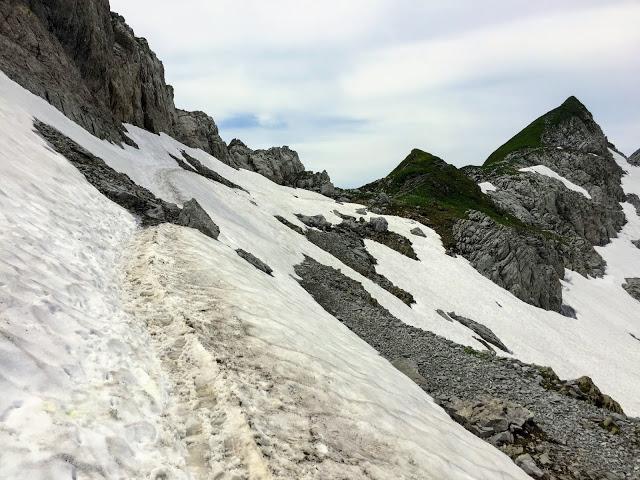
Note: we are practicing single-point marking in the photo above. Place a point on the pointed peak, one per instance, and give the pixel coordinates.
(572, 106)
(532, 135)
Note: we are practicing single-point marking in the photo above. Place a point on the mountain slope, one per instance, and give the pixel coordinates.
(173, 277)
(219, 324)
(239, 344)
(538, 133)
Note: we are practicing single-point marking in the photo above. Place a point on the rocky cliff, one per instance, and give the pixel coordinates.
(530, 226)
(634, 159)
(87, 62)
(279, 164)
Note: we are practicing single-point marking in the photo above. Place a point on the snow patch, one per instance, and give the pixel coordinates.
(487, 187)
(546, 171)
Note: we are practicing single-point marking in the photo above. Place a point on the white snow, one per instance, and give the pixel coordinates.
(544, 170)
(180, 363)
(233, 359)
(487, 187)
(81, 394)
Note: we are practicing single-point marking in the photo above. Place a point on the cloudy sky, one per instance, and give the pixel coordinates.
(354, 85)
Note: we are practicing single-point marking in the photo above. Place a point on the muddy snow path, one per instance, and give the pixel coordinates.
(187, 325)
(266, 385)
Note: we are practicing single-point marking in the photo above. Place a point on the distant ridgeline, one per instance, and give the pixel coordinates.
(513, 224)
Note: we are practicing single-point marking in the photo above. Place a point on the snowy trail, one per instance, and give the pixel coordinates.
(260, 397)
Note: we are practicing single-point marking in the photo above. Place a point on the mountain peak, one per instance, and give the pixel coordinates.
(544, 132)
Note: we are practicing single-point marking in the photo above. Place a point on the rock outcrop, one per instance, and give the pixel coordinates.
(523, 263)
(120, 189)
(634, 159)
(255, 261)
(279, 164)
(198, 130)
(87, 62)
(632, 287)
(194, 216)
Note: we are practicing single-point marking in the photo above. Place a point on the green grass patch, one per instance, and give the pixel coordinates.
(426, 188)
(531, 136)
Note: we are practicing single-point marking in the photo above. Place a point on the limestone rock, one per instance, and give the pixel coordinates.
(379, 224)
(488, 417)
(198, 130)
(528, 464)
(194, 216)
(483, 331)
(255, 261)
(525, 264)
(315, 221)
(279, 164)
(632, 286)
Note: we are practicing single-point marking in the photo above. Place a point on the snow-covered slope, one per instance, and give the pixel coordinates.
(162, 354)
(129, 351)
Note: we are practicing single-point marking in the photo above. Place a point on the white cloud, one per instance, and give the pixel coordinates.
(449, 77)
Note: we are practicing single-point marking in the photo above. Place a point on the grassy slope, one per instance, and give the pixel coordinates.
(428, 189)
(531, 135)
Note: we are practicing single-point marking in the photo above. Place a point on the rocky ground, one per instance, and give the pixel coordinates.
(552, 429)
(345, 242)
(120, 189)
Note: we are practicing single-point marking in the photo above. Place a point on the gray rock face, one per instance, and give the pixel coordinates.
(379, 224)
(548, 205)
(279, 164)
(483, 331)
(574, 146)
(87, 62)
(255, 261)
(198, 130)
(634, 159)
(120, 189)
(417, 232)
(35, 41)
(525, 264)
(194, 216)
(632, 286)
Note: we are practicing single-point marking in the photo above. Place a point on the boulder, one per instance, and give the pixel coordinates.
(194, 216)
(255, 261)
(528, 465)
(632, 286)
(315, 221)
(484, 332)
(490, 417)
(379, 224)
(417, 232)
